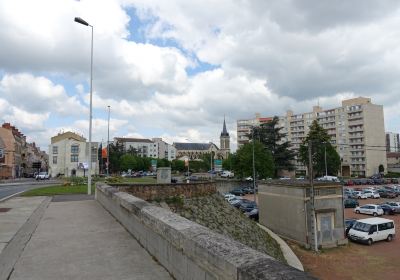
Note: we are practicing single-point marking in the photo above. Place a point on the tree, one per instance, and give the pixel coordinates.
(227, 163)
(178, 165)
(320, 143)
(270, 135)
(116, 151)
(163, 162)
(127, 162)
(381, 168)
(242, 161)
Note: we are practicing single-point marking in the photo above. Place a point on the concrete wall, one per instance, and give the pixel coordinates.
(227, 185)
(186, 249)
(163, 191)
(283, 211)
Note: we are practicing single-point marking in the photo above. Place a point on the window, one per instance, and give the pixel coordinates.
(54, 159)
(1, 153)
(75, 149)
(94, 155)
(55, 149)
(74, 158)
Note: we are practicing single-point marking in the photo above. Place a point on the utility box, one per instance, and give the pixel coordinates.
(164, 175)
(286, 209)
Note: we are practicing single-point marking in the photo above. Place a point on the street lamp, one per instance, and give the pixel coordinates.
(81, 21)
(254, 166)
(108, 142)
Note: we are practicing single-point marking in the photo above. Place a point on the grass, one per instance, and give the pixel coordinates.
(145, 180)
(56, 190)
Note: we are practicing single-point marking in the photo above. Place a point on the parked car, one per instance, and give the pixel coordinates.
(369, 209)
(328, 179)
(238, 192)
(371, 230)
(285, 178)
(394, 204)
(386, 193)
(227, 196)
(42, 176)
(243, 202)
(227, 174)
(387, 209)
(247, 205)
(248, 190)
(350, 203)
(253, 214)
(249, 178)
(371, 194)
(360, 195)
(348, 225)
(235, 202)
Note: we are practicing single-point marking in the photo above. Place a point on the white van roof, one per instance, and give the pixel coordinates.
(374, 220)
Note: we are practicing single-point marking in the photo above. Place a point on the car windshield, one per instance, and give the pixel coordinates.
(42, 173)
(359, 226)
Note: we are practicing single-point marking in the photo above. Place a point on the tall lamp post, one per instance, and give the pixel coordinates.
(254, 166)
(108, 142)
(81, 21)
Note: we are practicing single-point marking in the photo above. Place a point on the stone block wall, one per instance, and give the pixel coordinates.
(163, 191)
(186, 249)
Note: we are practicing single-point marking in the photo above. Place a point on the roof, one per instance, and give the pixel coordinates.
(374, 220)
(67, 135)
(138, 140)
(192, 146)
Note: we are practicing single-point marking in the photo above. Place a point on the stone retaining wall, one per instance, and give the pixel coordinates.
(186, 249)
(163, 191)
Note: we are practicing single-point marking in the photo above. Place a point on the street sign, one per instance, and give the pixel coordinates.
(218, 165)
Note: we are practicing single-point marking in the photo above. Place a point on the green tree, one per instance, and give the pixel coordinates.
(178, 165)
(116, 151)
(270, 135)
(163, 162)
(128, 161)
(242, 161)
(320, 143)
(228, 163)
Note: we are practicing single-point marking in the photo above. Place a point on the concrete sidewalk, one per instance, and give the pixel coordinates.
(80, 240)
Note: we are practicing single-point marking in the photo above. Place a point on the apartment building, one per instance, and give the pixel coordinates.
(392, 142)
(357, 131)
(165, 150)
(244, 128)
(142, 147)
(12, 143)
(69, 155)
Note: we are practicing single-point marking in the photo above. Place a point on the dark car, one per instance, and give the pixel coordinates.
(249, 190)
(242, 202)
(387, 209)
(247, 205)
(350, 203)
(253, 214)
(349, 223)
(238, 192)
(386, 193)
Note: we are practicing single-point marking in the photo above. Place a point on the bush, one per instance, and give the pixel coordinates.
(73, 181)
(113, 180)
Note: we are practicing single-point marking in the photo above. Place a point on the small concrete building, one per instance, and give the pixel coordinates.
(285, 208)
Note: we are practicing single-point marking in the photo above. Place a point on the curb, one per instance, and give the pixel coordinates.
(289, 255)
(11, 253)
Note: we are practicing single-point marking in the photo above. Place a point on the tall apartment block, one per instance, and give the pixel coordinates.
(392, 142)
(244, 128)
(356, 128)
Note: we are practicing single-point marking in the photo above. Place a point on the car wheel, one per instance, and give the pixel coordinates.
(389, 238)
(386, 213)
(369, 242)
(375, 214)
(357, 211)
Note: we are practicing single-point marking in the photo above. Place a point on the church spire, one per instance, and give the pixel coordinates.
(224, 131)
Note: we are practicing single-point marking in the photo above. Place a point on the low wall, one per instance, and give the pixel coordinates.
(186, 249)
(227, 185)
(163, 191)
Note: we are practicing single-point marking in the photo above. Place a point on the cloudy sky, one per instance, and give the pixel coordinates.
(174, 68)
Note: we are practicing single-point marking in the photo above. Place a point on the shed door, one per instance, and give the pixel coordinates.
(326, 227)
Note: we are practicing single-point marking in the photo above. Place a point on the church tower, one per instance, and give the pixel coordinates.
(225, 142)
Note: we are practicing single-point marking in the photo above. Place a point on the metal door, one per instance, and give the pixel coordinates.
(326, 228)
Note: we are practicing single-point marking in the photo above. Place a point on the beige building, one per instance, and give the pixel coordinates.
(69, 155)
(12, 143)
(165, 150)
(356, 128)
(244, 128)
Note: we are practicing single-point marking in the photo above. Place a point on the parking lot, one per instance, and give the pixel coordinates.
(381, 260)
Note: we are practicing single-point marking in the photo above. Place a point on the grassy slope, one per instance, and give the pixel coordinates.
(54, 190)
(215, 213)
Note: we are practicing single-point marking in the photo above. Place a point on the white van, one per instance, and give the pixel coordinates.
(329, 179)
(371, 230)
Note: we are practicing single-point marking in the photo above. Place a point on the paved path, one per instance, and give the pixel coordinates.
(80, 240)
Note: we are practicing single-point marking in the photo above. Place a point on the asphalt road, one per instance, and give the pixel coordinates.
(11, 188)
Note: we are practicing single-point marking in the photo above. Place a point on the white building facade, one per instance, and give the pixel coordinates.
(392, 142)
(141, 147)
(165, 150)
(69, 155)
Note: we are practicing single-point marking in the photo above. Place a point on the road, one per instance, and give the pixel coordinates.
(11, 188)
